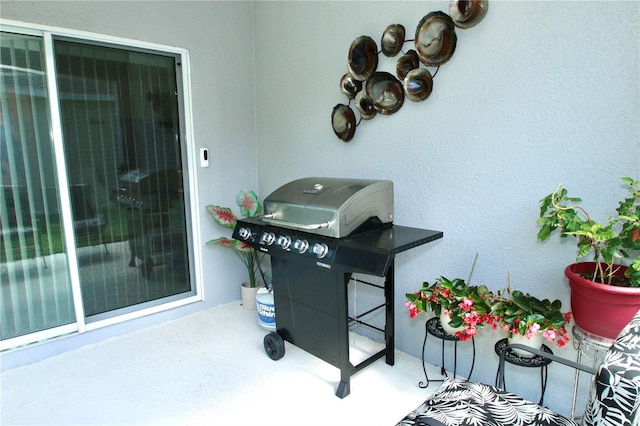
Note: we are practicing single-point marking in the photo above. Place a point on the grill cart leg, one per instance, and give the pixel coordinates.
(344, 388)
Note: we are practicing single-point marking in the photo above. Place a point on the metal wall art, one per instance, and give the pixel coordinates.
(381, 92)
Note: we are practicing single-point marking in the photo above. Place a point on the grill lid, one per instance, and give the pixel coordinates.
(332, 207)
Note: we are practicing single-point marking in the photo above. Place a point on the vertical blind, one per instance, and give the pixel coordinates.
(119, 111)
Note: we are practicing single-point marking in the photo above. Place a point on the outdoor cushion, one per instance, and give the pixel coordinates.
(615, 398)
(462, 403)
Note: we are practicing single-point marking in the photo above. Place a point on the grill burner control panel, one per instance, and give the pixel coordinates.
(369, 252)
(287, 243)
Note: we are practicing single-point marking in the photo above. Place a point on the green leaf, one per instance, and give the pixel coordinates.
(249, 203)
(222, 215)
(222, 241)
(544, 233)
(456, 322)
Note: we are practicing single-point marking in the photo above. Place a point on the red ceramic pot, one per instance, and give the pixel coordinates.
(597, 308)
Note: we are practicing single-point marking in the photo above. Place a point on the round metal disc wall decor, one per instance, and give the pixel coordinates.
(379, 92)
(343, 121)
(467, 13)
(435, 39)
(365, 106)
(418, 84)
(350, 86)
(363, 58)
(392, 40)
(385, 91)
(407, 62)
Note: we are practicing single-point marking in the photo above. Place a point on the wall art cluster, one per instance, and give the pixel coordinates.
(380, 92)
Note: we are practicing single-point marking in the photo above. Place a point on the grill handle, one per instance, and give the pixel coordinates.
(272, 220)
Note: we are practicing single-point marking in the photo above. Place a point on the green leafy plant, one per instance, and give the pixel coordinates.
(612, 243)
(467, 306)
(250, 206)
(523, 314)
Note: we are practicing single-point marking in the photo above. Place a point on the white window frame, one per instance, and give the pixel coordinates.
(81, 325)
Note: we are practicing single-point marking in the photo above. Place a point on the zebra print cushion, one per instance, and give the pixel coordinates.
(462, 403)
(615, 398)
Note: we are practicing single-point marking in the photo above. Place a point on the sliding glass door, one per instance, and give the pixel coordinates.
(94, 225)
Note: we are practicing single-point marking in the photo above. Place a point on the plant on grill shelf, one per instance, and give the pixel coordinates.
(522, 314)
(468, 307)
(613, 243)
(250, 206)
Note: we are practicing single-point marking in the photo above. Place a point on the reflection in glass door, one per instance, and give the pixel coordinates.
(121, 128)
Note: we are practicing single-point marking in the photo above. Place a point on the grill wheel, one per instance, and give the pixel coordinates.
(274, 345)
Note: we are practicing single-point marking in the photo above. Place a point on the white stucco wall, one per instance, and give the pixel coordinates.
(537, 94)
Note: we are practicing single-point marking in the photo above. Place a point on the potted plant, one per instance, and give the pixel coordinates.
(528, 320)
(609, 284)
(463, 309)
(250, 206)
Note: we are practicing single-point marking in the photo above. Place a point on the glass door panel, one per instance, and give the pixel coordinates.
(35, 286)
(120, 119)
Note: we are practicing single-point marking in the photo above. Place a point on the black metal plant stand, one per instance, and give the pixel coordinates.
(434, 328)
(535, 361)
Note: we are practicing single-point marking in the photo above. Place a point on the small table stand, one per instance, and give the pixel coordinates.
(583, 342)
(535, 361)
(433, 327)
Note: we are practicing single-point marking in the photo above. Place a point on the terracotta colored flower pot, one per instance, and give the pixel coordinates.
(600, 309)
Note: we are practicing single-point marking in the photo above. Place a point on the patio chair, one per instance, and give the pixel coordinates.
(613, 400)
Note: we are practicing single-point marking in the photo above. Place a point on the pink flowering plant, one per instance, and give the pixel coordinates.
(250, 206)
(523, 314)
(468, 306)
(473, 307)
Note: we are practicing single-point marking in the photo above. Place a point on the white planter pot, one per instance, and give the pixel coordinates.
(534, 342)
(444, 321)
(249, 295)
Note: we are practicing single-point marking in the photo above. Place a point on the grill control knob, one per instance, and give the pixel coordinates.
(284, 242)
(301, 245)
(267, 238)
(244, 233)
(320, 250)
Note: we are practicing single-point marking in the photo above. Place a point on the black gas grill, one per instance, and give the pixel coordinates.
(319, 232)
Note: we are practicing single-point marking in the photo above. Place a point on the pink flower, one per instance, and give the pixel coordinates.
(466, 304)
(471, 318)
(413, 310)
(466, 334)
(533, 328)
(550, 335)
